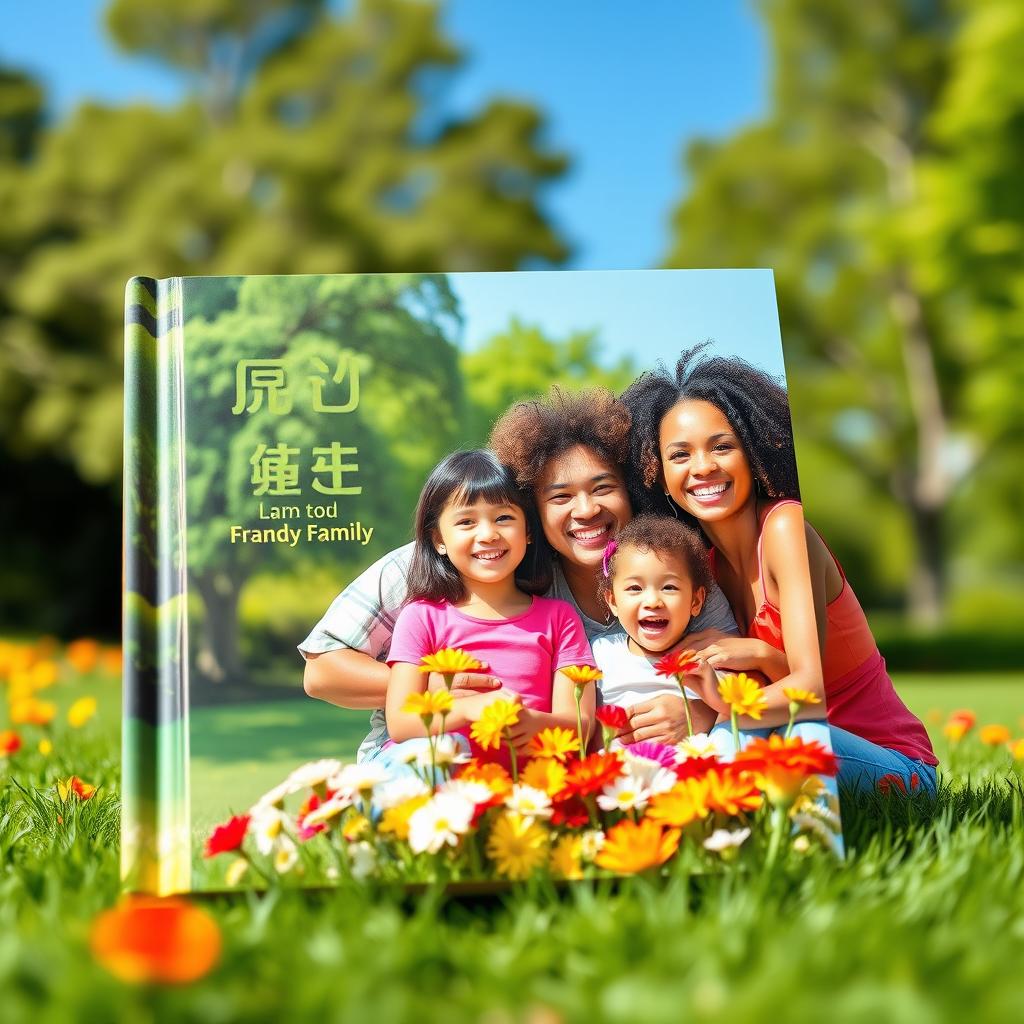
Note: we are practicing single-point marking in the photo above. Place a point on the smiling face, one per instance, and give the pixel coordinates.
(485, 541)
(653, 597)
(582, 503)
(703, 464)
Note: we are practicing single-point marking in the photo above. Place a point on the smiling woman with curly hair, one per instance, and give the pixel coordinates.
(713, 437)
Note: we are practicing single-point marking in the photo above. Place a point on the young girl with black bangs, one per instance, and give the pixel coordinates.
(474, 585)
(713, 439)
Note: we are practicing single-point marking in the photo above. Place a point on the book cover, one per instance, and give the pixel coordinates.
(278, 434)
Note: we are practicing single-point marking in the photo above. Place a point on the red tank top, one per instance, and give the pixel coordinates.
(859, 695)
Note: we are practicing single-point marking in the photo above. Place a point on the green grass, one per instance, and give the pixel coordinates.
(923, 922)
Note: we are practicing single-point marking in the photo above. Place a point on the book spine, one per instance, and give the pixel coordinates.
(155, 834)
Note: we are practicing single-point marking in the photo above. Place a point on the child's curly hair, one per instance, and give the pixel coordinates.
(530, 434)
(664, 536)
(754, 403)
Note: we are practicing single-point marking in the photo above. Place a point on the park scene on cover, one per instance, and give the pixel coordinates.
(295, 422)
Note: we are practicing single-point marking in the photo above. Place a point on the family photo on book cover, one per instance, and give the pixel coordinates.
(539, 541)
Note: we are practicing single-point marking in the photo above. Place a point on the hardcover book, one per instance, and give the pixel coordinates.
(280, 433)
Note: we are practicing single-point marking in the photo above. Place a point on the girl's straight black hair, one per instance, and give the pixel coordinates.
(471, 476)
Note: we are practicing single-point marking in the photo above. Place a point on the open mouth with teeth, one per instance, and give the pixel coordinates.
(592, 536)
(709, 494)
(490, 556)
(653, 625)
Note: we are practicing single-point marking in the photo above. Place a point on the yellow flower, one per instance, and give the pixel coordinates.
(743, 695)
(450, 660)
(580, 675)
(994, 735)
(554, 742)
(686, 801)
(427, 704)
(1017, 750)
(74, 786)
(43, 674)
(545, 774)
(517, 845)
(630, 847)
(81, 711)
(488, 729)
(355, 827)
(45, 747)
(395, 820)
(565, 857)
(235, 871)
(801, 697)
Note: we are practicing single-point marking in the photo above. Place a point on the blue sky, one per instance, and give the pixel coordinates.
(649, 315)
(623, 88)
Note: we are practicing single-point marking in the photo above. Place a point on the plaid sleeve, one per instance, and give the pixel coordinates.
(362, 617)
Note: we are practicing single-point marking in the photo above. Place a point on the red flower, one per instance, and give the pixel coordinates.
(571, 812)
(677, 664)
(10, 743)
(612, 716)
(592, 774)
(227, 837)
(695, 767)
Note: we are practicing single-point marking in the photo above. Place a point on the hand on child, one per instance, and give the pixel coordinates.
(746, 654)
(663, 720)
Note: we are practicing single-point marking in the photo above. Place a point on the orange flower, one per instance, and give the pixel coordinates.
(544, 773)
(554, 742)
(450, 660)
(959, 724)
(630, 847)
(800, 697)
(111, 661)
(780, 765)
(676, 665)
(10, 742)
(30, 711)
(147, 940)
(581, 675)
(1017, 750)
(686, 801)
(74, 786)
(731, 792)
(593, 773)
(492, 775)
(994, 735)
(83, 654)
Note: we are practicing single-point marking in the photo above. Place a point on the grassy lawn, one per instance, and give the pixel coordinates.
(922, 922)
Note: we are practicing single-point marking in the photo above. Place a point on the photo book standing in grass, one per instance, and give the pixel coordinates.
(569, 690)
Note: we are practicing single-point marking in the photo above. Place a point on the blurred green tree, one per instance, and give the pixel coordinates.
(521, 362)
(399, 329)
(883, 187)
(311, 142)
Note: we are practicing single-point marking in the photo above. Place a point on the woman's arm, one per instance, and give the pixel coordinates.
(794, 564)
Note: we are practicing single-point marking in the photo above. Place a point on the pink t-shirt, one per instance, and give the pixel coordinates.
(524, 652)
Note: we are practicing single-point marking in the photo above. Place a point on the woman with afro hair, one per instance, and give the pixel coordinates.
(712, 440)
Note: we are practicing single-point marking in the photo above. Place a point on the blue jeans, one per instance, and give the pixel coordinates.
(861, 763)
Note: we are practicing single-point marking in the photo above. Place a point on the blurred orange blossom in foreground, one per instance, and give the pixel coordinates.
(150, 940)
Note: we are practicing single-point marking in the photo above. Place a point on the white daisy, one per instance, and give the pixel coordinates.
(440, 821)
(592, 841)
(650, 775)
(528, 802)
(315, 773)
(327, 810)
(626, 793)
(447, 752)
(286, 856)
(722, 839)
(362, 860)
(267, 827)
(358, 779)
(468, 789)
(697, 745)
(397, 791)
